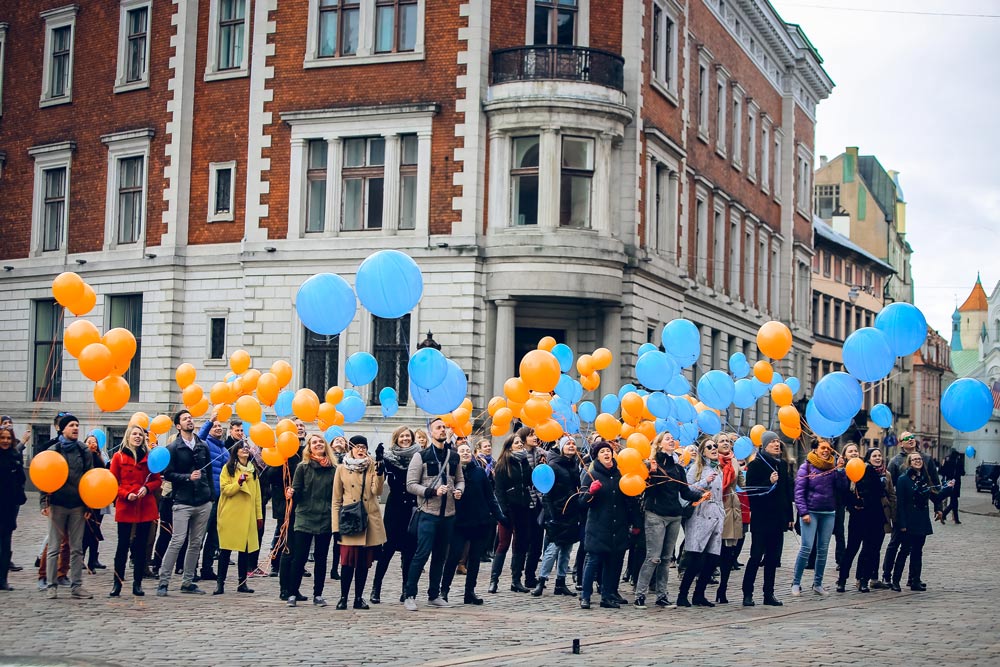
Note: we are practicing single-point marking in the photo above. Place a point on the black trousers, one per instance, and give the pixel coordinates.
(406, 546)
(255, 555)
(92, 536)
(300, 554)
(890, 554)
(433, 539)
(871, 546)
(478, 541)
(855, 538)
(211, 540)
(286, 558)
(702, 566)
(520, 536)
(136, 542)
(604, 565)
(166, 525)
(911, 546)
(242, 563)
(536, 540)
(636, 556)
(727, 559)
(6, 536)
(765, 548)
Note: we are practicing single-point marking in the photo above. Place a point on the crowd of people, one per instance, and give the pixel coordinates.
(454, 505)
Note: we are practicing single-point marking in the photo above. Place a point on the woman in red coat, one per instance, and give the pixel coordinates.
(135, 507)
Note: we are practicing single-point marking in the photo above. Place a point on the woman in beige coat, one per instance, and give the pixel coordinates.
(358, 478)
(732, 529)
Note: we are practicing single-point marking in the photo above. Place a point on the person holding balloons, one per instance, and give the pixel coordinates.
(240, 516)
(703, 531)
(92, 535)
(398, 508)
(914, 491)
(770, 516)
(11, 498)
(562, 517)
(512, 480)
(212, 434)
(818, 483)
(871, 505)
(135, 509)
(312, 493)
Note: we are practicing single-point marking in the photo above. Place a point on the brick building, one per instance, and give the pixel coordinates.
(582, 169)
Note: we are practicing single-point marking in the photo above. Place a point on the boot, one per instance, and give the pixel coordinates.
(243, 588)
(539, 589)
(137, 587)
(516, 586)
(772, 601)
(116, 588)
(493, 585)
(376, 596)
(561, 588)
(863, 586)
(690, 573)
(220, 588)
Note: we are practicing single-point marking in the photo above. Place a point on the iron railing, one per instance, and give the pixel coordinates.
(566, 63)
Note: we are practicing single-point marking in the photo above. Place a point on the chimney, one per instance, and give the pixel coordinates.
(823, 161)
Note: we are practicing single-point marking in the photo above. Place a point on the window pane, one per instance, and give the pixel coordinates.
(353, 200)
(541, 24)
(391, 349)
(126, 312)
(225, 47)
(349, 46)
(409, 149)
(377, 152)
(217, 338)
(526, 200)
(565, 31)
(237, 59)
(408, 202)
(137, 21)
(407, 27)
(525, 152)
(384, 28)
(55, 183)
(327, 34)
(136, 59)
(574, 201)
(319, 361)
(223, 190)
(54, 212)
(354, 153)
(317, 154)
(47, 362)
(316, 214)
(374, 203)
(577, 153)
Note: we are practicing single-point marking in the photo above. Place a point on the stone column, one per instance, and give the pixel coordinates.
(503, 364)
(611, 377)
(549, 157)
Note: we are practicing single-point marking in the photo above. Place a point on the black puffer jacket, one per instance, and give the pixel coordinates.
(562, 514)
(666, 486)
(477, 512)
(770, 511)
(512, 484)
(274, 480)
(610, 512)
(184, 461)
(80, 460)
(399, 505)
(11, 487)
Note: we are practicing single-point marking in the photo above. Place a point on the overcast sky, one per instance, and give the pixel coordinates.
(922, 93)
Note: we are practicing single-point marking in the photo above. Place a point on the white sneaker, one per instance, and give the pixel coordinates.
(410, 604)
(821, 590)
(796, 590)
(439, 602)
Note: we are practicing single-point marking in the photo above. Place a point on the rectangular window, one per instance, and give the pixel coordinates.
(130, 198)
(752, 147)
(316, 186)
(62, 40)
(827, 261)
(364, 177)
(217, 338)
(701, 239)
(339, 22)
(777, 167)
(54, 217)
(827, 200)
(136, 22)
(320, 361)
(125, 311)
(221, 191)
(765, 158)
(3, 48)
(762, 274)
(57, 64)
(848, 273)
(734, 257)
(232, 25)
(47, 351)
(720, 116)
(749, 268)
(817, 316)
(395, 25)
(664, 47)
(737, 130)
(703, 100)
(555, 22)
(408, 182)
(575, 184)
(391, 350)
(838, 267)
(718, 250)
(524, 180)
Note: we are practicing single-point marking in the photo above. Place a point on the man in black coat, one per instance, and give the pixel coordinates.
(771, 497)
(954, 469)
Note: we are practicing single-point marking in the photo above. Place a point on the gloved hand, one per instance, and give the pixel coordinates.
(379, 452)
(260, 524)
(595, 486)
(635, 531)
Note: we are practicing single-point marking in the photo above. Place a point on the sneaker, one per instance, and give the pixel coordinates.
(81, 593)
(664, 601)
(52, 592)
(63, 581)
(640, 601)
(161, 591)
(319, 601)
(258, 573)
(796, 590)
(439, 602)
(821, 590)
(191, 589)
(42, 584)
(292, 602)
(410, 604)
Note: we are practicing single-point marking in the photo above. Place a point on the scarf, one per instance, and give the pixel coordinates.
(400, 456)
(821, 464)
(728, 471)
(323, 462)
(356, 465)
(520, 456)
(67, 445)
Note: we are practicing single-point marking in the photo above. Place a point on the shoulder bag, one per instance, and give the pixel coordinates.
(354, 517)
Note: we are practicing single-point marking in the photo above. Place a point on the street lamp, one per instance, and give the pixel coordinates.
(429, 342)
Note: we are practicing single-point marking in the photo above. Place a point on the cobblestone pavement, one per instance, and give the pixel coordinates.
(955, 622)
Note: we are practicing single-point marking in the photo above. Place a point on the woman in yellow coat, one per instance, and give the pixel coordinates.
(358, 478)
(239, 515)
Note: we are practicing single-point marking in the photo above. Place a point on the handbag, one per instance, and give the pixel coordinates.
(354, 517)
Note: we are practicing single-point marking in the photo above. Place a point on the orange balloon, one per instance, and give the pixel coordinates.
(288, 443)
(448, 419)
(140, 419)
(334, 395)
(495, 404)
(591, 382)
(466, 404)
(629, 418)
(78, 335)
(85, 303)
(602, 358)
(239, 361)
(272, 457)
(185, 375)
(503, 416)
(496, 430)
(639, 443)
(327, 412)
(98, 488)
(515, 390)
(67, 288)
(540, 370)
(250, 379)
(791, 431)
(755, 434)
(96, 361)
(338, 420)
(585, 364)
(463, 429)
(537, 409)
(286, 426)
(607, 426)
(160, 424)
(781, 394)
(774, 340)
(627, 431)
(549, 430)
(221, 393)
(48, 471)
(199, 408)
(461, 415)
(305, 405)
(192, 394)
(855, 470)
(632, 485)
(237, 385)
(267, 388)
(112, 393)
(763, 371)
(632, 403)
(648, 429)
(789, 415)
(629, 461)
(122, 344)
(262, 435)
(515, 408)
(223, 412)
(547, 343)
(248, 409)
(283, 371)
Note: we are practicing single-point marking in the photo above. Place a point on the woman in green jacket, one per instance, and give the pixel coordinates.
(312, 496)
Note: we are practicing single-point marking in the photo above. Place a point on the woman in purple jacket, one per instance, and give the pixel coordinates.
(817, 484)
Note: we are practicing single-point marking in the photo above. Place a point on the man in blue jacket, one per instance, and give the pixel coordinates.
(211, 433)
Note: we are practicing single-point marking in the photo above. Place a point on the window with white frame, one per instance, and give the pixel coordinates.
(763, 272)
(524, 180)
(719, 246)
(221, 191)
(217, 335)
(57, 65)
(777, 164)
(409, 150)
(576, 177)
(803, 181)
(228, 30)
(661, 216)
(128, 159)
(47, 350)
(721, 104)
(752, 114)
(316, 175)
(774, 273)
(827, 200)
(363, 174)
(133, 45)
(749, 265)
(125, 311)
(704, 62)
(765, 155)
(737, 127)
(664, 46)
(701, 238)
(50, 201)
(351, 32)
(390, 347)
(734, 254)
(3, 50)
(320, 361)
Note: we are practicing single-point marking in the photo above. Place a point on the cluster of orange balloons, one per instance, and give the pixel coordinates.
(631, 463)
(459, 420)
(49, 471)
(103, 359)
(774, 340)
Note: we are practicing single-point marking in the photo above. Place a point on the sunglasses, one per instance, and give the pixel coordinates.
(711, 446)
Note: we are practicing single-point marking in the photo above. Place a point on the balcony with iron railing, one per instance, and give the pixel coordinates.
(559, 63)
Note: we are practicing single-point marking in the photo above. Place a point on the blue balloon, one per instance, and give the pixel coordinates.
(661, 425)
(389, 408)
(100, 436)
(353, 409)
(560, 406)
(688, 433)
(793, 384)
(352, 392)
(642, 392)
(759, 388)
(743, 394)
(881, 415)
(709, 422)
(427, 368)
(716, 389)
(868, 355)
(283, 406)
(543, 477)
(646, 347)
(682, 341)
(821, 426)
(333, 432)
(389, 283)
(158, 459)
(838, 396)
(674, 428)
(776, 379)
(610, 404)
(904, 325)
(326, 304)
(967, 405)
(569, 421)
(625, 388)
(655, 370)
(970, 451)
(564, 355)
(683, 410)
(565, 387)
(445, 397)
(361, 368)
(739, 366)
(388, 395)
(659, 405)
(587, 412)
(743, 447)
(246, 428)
(678, 386)
(577, 392)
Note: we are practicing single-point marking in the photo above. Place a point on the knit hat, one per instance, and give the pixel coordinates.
(596, 448)
(767, 437)
(65, 421)
(5, 418)
(359, 440)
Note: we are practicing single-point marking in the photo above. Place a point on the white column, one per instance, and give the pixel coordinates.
(548, 179)
(601, 197)
(334, 185)
(423, 204)
(499, 200)
(390, 185)
(503, 365)
(296, 189)
(611, 377)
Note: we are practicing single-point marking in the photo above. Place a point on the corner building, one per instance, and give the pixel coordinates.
(587, 170)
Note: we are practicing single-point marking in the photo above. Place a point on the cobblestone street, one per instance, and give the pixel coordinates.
(954, 622)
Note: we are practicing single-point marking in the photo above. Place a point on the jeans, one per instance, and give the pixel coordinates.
(477, 547)
(66, 523)
(433, 539)
(764, 546)
(661, 537)
(912, 546)
(609, 564)
(211, 541)
(190, 522)
(300, 554)
(817, 531)
(138, 547)
(555, 555)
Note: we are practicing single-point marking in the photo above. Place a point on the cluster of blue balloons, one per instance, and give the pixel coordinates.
(444, 396)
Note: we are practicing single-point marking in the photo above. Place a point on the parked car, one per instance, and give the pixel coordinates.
(986, 474)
